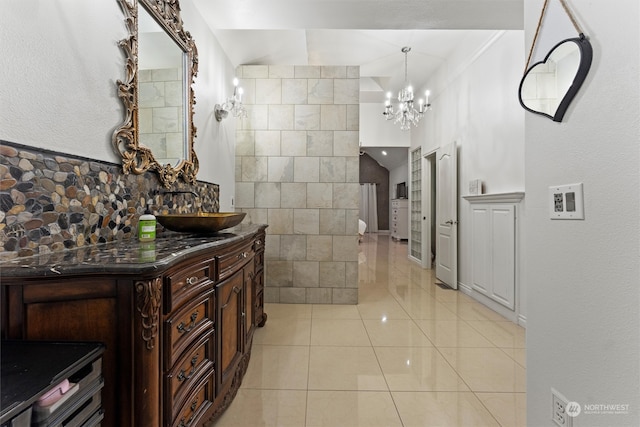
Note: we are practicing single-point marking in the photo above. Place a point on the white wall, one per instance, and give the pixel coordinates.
(396, 176)
(475, 104)
(375, 131)
(60, 63)
(583, 327)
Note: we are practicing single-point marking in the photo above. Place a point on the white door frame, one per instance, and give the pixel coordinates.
(428, 194)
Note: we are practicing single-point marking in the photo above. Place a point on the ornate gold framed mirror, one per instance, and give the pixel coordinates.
(161, 63)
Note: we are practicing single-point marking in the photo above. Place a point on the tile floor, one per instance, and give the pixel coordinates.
(409, 354)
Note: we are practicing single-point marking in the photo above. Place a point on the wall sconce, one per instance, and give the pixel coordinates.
(232, 105)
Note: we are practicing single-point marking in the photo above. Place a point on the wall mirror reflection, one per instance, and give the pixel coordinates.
(549, 86)
(158, 131)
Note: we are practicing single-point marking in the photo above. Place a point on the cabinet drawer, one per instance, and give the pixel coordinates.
(196, 404)
(195, 363)
(185, 282)
(185, 326)
(232, 261)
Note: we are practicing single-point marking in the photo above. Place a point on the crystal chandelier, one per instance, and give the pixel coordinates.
(405, 113)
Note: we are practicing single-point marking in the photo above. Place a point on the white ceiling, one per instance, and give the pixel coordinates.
(367, 33)
(395, 157)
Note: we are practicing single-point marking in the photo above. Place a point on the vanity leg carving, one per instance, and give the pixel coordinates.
(146, 364)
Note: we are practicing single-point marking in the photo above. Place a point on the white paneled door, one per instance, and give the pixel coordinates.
(447, 216)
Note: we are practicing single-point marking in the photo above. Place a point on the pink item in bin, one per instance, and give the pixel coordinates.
(54, 394)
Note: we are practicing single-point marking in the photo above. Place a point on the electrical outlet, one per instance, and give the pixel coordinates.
(566, 202)
(559, 409)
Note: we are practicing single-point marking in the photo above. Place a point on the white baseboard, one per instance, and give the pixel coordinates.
(497, 307)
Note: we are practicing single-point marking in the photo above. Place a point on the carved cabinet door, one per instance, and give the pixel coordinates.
(230, 301)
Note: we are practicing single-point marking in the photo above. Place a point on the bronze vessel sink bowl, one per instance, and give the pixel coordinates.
(201, 222)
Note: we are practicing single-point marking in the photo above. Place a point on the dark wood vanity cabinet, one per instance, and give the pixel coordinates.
(178, 330)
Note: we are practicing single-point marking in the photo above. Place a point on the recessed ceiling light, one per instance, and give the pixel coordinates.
(384, 153)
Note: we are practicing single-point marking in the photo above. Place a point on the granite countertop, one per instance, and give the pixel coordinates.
(124, 257)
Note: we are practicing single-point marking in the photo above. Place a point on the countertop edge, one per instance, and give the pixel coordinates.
(190, 245)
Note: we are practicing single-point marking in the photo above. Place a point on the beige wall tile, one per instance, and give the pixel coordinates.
(318, 296)
(345, 143)
(254, 169)
(306, 169)
(279, 274)
(319, 248)
(353, 72)
(294, 91)
(245, 143)
(332, 221)
(268, 91)
(346, 195)
(306, 274)
(254, 71)
(294, 247)
(292, 295)
(306, 221)
(319, 195)
(345, 248)
(344, 296)
(333, 117)
(332, 274)
(293, 195)
(353, 117)
(267, 194)
(256, 216)
(351, 274)
(332, 169)
(267, 143)
(307, 72)
(281, 71)
(272, 294)
(307, 117)
(320, 143)
(281, 117)
(297, 169)
(320, 91)
(351, 223)
(293, 142)
(353, 169)
(257, 117)
(245, 195)
(346, 91)
(333, 72)
(280, 221)
(272, 247)
(280, 169)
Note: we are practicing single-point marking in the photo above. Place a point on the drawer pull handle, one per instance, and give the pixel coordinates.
(243, 255)
(182, 376)
(183, 329)
(192, 280)
(194, 406)
(258, 242)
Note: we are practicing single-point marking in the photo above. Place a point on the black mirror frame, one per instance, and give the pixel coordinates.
(586, 57)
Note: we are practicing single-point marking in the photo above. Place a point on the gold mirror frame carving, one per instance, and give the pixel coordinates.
(137, 158)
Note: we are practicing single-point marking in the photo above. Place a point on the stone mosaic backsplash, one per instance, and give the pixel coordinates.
(52, 201)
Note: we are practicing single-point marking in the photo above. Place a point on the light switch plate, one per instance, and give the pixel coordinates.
(566, 201)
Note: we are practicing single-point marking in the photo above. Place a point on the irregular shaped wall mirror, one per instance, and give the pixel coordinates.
(549, 86)
(161, 63)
